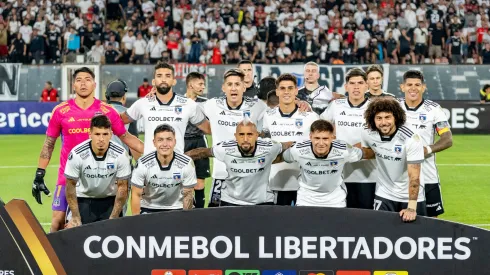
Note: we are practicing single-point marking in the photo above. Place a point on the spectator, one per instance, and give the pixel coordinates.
(485, 54)
(4, 50)
(97, 52)
(49, 94)
(54, 43)
(437, 40)
(73, 42)
(392, 48)
(26, 31)
(139, 50)
(196, 49)
(485, 94)
(127, 44)
(202, 27)
(361, 43)
(455, 47)
(205, 57)
(421, 36)
(18, 50)
(37, 48)
(283, 54)
(155, 49)
(404, 47)
(111, 55)
(270, 54)
(144, 89)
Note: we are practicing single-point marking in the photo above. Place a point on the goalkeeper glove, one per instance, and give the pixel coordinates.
(38, 185)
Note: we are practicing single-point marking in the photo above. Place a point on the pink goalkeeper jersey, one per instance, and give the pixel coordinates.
(73, 123)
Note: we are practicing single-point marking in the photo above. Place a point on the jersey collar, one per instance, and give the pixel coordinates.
(388, 138)
(168, 103)
(290, 114)
(237, 107)
(358, 106)
(318, 157)
(114, 103)
(95, 156)
(253, 153)
(169, 165)
(414, 108)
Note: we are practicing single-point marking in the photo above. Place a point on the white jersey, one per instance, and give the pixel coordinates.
(283, 128)
(177, 113)
(320, 181)
(319, 99)
(349, 123)
(224, 119)
(248, 176)
(163, 186)
(97, 176)
(427, 119)
(393, 154)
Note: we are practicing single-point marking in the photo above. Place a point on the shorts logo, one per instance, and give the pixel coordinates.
(246, 113)
(177, 176)
(178, 110)
(56, 202)
(299, 123)
(110, 166)
(422, 117)
(261, 161)
(398, 149)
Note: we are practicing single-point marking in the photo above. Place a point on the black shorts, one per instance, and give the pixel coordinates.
(215, 193)
(94, 210)
(404, 52)
(382, 204)
(361, 52)
(202, 165)
(360, 195)
(144, 210)
(286, 197)
(420, 49)
(433, 199)
(225, 204)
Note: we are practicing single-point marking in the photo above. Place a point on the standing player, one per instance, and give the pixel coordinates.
(163, 180)
(318, 96)
(282, 124)
(427, 118)
(97, 174)
(248, 163)
(399, 155)
(71, 119)
(194, 137)
(347, 115)
(375, 82)
(322, 158)
(166, 107)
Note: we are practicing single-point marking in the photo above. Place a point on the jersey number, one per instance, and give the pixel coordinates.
(377, 204)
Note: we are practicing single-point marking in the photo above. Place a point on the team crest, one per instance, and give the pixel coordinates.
(398, 149)
(177, 176)
(246, 113)
(298, 123)
(334, 163)
(422, 117)
(110, 166)
(261, 161)
(178, 110)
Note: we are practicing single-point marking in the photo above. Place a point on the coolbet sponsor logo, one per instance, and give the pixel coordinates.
(279, 247)
(163, 119)
(227, 123)
(34, 120)
(350, 124)
(78, 130)
(168, 272)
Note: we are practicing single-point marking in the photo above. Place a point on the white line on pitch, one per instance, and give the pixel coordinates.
(25, 166)
(464, 164)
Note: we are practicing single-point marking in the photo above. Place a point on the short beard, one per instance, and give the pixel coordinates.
(163, 91)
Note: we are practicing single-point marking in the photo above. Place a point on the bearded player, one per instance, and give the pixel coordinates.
(71, 120)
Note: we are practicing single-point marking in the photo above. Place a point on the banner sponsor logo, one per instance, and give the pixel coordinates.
(467, 117)
(25, 117)
(9, 81)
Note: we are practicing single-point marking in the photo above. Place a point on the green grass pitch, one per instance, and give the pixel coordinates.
(463, 170)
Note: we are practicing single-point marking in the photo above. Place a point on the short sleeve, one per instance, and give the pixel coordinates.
(117, 124)
(276, 149)
(265, 124)
(365, 138)
(54, 125)
(328, 114)
(353, 154)
(72, 168)
(189, 175)
(138, 177)
(415, 150)
(197, 116)
(123, 167)
(260, 119)
(134, 112)
(218, 152)
(440, 121)
(288, 155)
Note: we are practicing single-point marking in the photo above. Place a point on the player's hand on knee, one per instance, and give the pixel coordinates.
(38, 186)
(408, 215)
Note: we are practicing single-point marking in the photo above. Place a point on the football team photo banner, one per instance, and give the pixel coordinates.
(238, 239)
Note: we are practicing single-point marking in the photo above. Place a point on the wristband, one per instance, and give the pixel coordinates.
(412, 204)
(40, 173)
(429, 150)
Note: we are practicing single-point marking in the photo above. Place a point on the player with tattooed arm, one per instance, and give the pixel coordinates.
(427, 118)
(399, 156)
(247, 160)
(97, 174)
(71, 120)
(163, 180)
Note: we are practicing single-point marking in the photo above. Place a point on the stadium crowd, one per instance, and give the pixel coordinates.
(224, 32)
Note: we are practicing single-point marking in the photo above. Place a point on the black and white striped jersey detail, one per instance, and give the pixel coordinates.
(339, 145)
(148, 157)
(182, 158)
(406, 131)
(82, 148)
(303, 144)
(229, 144)
(116, 148)
(264, 143)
